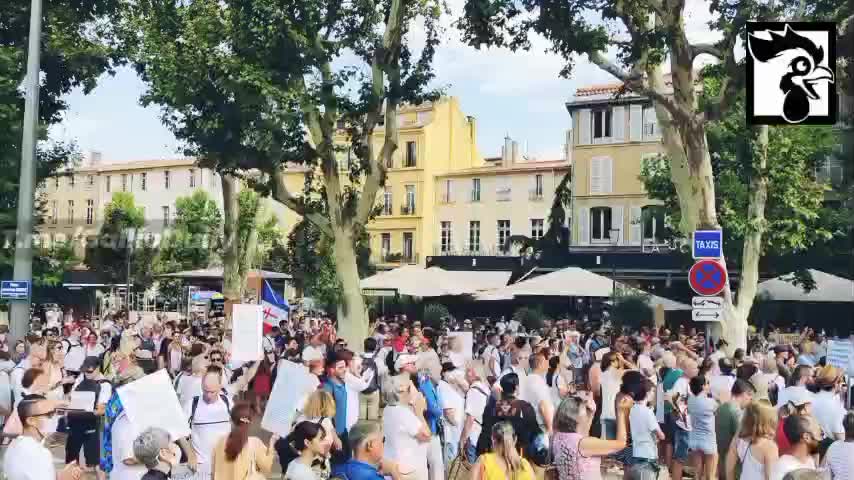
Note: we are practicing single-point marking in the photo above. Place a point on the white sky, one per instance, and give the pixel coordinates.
(519, 94)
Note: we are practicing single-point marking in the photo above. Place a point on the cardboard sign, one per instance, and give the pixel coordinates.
(151, 401)
(246, 333)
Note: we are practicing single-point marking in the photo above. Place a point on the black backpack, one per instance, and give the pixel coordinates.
(370, 363)
(223, 395)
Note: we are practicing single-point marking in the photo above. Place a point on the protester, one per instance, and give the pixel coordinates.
(754, 449)
(701, 439)
(476, 400)
(307, 438)
(237, 456)
(728, 419)
(154, 450)
(827, 408)
(804, 435)
(83, 426)
(839, 459)
(369, 460)
(645, 432)
(407, 433)
(503, 461)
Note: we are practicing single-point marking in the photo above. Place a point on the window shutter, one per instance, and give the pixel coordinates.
(596, 175)
(584, 226)
(636, 123)
(618, 129)
(607, 176)
(617, 224)
(584, 126)
(636, 226)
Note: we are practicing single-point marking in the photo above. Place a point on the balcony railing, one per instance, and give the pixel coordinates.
(407, 210)
(401, 258)
(535, 194)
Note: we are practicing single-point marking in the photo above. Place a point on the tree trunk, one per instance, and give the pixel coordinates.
(232, 282)
(352, 313)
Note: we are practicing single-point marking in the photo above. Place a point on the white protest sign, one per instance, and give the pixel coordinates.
(293, 384)
(839, 353)
(468, 342)
(82, 401)
(151, 401)
(246, 332)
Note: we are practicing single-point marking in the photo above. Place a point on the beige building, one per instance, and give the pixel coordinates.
(478, 209)
(612, 137)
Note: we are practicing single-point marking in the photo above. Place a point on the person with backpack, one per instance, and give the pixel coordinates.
(369, 404)
(509, 408)
(75, 353)
(83, 426)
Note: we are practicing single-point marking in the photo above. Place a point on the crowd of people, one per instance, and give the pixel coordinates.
(485, 400)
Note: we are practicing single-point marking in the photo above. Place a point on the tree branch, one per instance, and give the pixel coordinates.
(283, 195)
(707, 48)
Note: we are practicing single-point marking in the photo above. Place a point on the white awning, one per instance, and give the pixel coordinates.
(828, 288)
(415, 281)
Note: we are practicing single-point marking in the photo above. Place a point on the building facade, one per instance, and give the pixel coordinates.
(612, 138)
(478, 209)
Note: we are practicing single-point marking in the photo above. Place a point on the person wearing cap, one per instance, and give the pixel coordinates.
(781, 356)
(83, 426)
(798, 403)
(827, 407)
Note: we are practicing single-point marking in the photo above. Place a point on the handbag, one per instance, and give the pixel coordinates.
(460, 468)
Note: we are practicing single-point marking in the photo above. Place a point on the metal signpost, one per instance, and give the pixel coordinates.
(708, 278)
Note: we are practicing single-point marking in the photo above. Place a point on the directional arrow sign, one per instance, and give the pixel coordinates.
(707, 303)
(706, 315)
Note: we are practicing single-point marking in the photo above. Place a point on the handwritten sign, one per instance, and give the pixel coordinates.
(293, 384)
(839, 353)
(247, 330)
(82, 401)
(151, 401)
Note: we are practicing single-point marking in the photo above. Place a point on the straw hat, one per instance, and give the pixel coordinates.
(828, 376)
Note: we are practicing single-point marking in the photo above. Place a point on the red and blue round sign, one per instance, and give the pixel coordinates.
(707, 277)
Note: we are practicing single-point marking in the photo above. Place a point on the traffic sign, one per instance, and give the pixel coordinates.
(707, 303)
(707, 277)
(706, 315)
(14, 290)
(707, 244)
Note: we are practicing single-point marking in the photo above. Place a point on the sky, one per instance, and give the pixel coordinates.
(516, 94)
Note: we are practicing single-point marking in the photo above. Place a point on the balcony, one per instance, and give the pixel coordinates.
(399, 258)
(407, 210)
(535, 195)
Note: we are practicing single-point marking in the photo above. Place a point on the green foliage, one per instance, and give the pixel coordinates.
(109, 255)
(555, 239)
(631, 310)
(51, 261)
(532, 318)
(434, 315)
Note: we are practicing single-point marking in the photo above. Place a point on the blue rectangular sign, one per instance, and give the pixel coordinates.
(707, 244)
(14, 290)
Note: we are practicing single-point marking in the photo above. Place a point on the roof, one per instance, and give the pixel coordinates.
(143, 164)
(515, 168)
(216, 273)
(828, 288)
(610, 88)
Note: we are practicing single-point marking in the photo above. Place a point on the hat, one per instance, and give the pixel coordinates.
(404, 359)
(781, 349)
(90, 363)
(799, 396)
(827, 376)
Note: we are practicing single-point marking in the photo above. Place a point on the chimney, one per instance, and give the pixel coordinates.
(507, 152)
(94, 158)
(567, 147)
(515, 158)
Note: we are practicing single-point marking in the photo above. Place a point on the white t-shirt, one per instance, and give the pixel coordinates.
(123, 437)
(355, 385)
(786, 464)
(789, 393)
(458, 359)
(681, 386)
(299, 471)
(644, 427)
(475, 403)
(450, 397)
(400, 426)
(535, 391)
(188, 387)
(840, 460)
(610, 381)
(721, 386)
(828, 411)
(490, 354)
(74, 355)
(27, 459)
(210, 423)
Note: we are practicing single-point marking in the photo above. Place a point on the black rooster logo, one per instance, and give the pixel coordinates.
(797, 60)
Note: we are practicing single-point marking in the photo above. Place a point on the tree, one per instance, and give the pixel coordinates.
(631, 310)
(256, 86)
(119, 239)
(647, 34)
(50, 262)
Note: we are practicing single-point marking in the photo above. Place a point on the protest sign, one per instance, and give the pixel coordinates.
(839, 353)
(82, 401)
(247, 330)
(151, 401)
(293, 384)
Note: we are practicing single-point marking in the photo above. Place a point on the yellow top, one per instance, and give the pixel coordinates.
(493, 469)
(239, 468)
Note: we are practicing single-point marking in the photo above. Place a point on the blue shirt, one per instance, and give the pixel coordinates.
(339, 393)
(433, 412)
(356, 470)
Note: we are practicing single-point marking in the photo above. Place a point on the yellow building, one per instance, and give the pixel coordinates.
(612, 137)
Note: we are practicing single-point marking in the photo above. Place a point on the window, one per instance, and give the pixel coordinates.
(650, 123)
(475, 189)
(447, 193)
(108, 183)
(600, 224)
(445, 237)
(538, 185)
(537, 231)
(408, 251)
(474, 236)
(54, 212)
(653, 224)
(165, 215)
(71, 180)
(601, 180)
(409, 207)
(503, 233)
(124, 182)
(166, 179)
(601, 124)
(385, 245)
(387, 206)
(90, 180)
(192, 178)
(143, 180)
(70, 212)
(411, 153)
(90, 212)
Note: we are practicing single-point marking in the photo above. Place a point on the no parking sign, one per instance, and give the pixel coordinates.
(707, 277)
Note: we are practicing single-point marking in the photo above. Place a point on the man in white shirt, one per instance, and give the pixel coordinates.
(75, 353)
(83, 426)
(827, 406)
(210, 420)
(798, 389)
(721, 384)
(452, 401)
(536, 391)
(491, 356)
(475, 403)
(804, 434)
(27, 458)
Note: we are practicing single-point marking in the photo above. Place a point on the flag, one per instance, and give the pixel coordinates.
(274, 307)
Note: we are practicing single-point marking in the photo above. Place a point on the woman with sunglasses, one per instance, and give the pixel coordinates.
(577, 454)
(27, 458)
